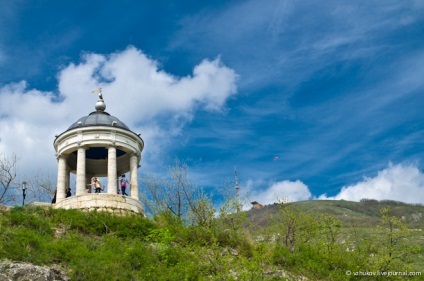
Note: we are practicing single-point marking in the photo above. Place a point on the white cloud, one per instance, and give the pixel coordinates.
(29, 120)
(135, 90)
(399, 182)
(138, 90)
(291, 190)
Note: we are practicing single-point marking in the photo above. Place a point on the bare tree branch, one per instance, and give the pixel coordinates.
(8, 172)
(178, 195)
(41, 188)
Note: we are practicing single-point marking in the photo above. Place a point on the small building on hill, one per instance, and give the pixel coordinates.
(256, 205)
(98, 145)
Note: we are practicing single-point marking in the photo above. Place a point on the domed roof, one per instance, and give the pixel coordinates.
(99, 118)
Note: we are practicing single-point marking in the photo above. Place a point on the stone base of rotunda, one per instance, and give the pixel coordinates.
(117, 204)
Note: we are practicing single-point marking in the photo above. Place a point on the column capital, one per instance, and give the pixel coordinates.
(61, 155)
(80, 145)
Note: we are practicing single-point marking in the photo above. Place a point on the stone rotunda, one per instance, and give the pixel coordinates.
(98, 145)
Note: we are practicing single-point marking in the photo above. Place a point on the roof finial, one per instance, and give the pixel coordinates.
(100, 104)
(98, 90)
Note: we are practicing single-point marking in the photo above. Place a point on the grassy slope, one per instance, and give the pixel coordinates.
(97, 246)
(358, 214)
(365, 215)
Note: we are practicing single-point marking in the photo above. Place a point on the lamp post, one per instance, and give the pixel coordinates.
(23, 192)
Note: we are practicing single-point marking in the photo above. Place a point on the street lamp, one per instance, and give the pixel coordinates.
(23, 192)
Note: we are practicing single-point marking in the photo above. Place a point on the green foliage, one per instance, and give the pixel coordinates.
(325, 248)
(24, 244)
(103, 223)
(282, 256)
(101, 246)
(21, 217)
(161, 235)
(131, 227)
(390, 251)
(295, 227)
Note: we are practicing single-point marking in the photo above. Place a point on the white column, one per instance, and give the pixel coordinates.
(80, 190)
(61, 177)
(88, 188)
(134, 176)
(68, 178)
(111, 170)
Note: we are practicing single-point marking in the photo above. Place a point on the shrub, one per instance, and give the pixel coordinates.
(129, 227)
(24, 244)
(282, 256)
(18, 217)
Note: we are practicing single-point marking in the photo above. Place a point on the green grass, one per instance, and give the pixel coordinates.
(101, 246)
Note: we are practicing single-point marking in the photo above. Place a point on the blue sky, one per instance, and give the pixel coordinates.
(333, 88)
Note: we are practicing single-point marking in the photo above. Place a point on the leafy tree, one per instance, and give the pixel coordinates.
(330, 227)
(391, 249)
(230, 216)
(202, 211)
(360, 243)
(296, 227)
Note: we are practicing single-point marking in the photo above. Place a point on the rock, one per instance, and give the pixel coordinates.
(4, 208)
(10, 271)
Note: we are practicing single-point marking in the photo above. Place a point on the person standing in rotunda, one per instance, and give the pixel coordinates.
(123, 183)
(97, 185)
